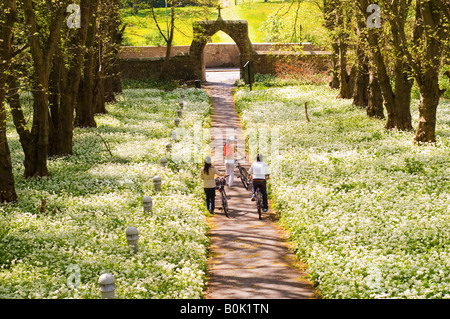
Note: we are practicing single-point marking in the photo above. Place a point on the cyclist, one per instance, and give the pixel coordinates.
(207, 174)
(260, 173)
(230, 151)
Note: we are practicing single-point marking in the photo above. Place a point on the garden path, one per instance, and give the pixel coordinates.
(249, 258)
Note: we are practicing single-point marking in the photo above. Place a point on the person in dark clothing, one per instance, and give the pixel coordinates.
(260, 173)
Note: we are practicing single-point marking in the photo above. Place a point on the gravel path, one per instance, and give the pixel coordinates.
(249, 258)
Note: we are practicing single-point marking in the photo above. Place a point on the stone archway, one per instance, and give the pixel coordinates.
(203, 30)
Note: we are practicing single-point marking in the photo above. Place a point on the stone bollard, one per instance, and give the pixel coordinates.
(174, 135)
(107, 286)
(198, 84)
(181, 104)
(157, 183)
(177, 122)
(179, 113)
(132, 235)
(163, 161)
(147, 203)
(168, 147)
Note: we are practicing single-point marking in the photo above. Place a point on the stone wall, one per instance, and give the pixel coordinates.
(215, 54)
(144, 62)
(266, 62)
(142, 68)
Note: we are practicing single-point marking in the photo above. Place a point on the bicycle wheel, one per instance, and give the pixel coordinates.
(224, 203)
(242, 178)
(259, 202)
(243, 175)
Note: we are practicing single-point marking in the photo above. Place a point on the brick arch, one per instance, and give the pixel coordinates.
(203, 30)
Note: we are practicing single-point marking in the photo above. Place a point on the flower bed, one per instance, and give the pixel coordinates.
(367, 209)
(93, 197)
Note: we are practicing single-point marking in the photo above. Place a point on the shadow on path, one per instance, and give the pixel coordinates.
(249, 258)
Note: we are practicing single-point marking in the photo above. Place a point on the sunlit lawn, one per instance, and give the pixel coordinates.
(141, 29)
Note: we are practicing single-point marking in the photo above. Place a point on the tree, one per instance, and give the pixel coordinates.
(388, 52)
(101, 75)
(168, 34)
(7, 19)
(339, 23)
(38, 54)
(362, 78)
(430, 33)
(327, 8)
(375, 103)
(66, 77)
(111, 32)
(85, 107)
(44, 23)
(168, 37)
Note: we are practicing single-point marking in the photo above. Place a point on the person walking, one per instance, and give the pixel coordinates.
(207, 174)
(260, 173)
(230, 151)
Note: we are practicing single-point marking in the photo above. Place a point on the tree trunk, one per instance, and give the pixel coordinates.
(20, 124)
(361, 91)
(165, 65)
(85, 108)
(329, 15)
(375, 102)
(40, 129)
(429, 101)
(334, 82)
(70, 80)
(112, 79)
(109, 92)
(346, 80)
(8, 17)
(431, 28)
(99, 94)
(85, 103)
(55, 89)
(42, 48)
(7, 188)
(397, 104)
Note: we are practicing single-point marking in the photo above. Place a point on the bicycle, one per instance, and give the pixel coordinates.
(243, 175)
(259, 201)
(220, 185)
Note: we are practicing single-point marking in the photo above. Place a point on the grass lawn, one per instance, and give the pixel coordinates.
(142, 30)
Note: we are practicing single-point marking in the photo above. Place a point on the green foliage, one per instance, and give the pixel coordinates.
(273, 29)
(280, 21)
(91, 198)
(150, 83)
(141, 29)
(4, 227)
(367, 209)
(444, 81)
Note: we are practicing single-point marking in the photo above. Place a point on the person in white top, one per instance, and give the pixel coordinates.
(260, 173)
(230, 151)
